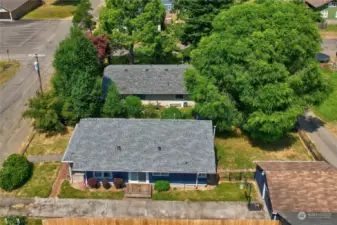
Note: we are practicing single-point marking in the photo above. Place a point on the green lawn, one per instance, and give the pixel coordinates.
(222, 192)
(8, 70)
(44, 144)
(41, 182)
(67, 191)
(53, 9)
(239, 152)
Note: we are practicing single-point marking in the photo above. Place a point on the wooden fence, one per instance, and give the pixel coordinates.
(237, 175)
(139, 221)
(310, 145)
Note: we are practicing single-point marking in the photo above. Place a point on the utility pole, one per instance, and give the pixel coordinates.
(8, 55)
(37, 68)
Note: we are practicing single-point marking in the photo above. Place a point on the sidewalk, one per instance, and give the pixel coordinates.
(92, 208)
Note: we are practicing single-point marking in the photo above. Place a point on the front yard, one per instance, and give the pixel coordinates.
(7, 70)
(67, 191)
(44, 144)
(41, 182)
(53, 9)
(222, 192)
(236, 151)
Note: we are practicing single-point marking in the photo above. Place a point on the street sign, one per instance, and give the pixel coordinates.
(36, 66)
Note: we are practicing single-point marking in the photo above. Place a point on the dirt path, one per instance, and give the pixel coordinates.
(62, 175)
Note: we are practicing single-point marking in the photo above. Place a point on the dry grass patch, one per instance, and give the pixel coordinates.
(7, 70)
(45, 144)
(239, 152)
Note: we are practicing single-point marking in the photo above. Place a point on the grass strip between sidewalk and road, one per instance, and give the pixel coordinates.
(7, 70)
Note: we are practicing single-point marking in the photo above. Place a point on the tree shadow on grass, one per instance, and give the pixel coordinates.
(64, 3)
(279, 145)
(64, 131)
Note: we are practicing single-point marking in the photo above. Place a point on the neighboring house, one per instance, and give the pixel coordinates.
(328, 8)
(153, 84)
(142, 151)
(168, 4)
(15, 9)
(293, 190)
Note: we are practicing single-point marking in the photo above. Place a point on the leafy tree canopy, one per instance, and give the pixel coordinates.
(257, 70)
(198, 16)
(128, 22)
(133, 106)
(172, 113)
(82, 17)
(113, 106)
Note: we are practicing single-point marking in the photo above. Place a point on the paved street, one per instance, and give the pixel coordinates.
(325, 141)
(54, 207)
(23, 38)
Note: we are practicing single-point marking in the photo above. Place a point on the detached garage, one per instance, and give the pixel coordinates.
(15, 9)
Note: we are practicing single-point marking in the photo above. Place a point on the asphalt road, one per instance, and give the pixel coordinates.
(22, 38)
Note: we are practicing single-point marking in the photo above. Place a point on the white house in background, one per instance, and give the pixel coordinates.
(154, 84)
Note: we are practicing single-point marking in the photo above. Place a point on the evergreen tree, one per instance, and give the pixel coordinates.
(113, 106)
(133, 106)
(82, 17)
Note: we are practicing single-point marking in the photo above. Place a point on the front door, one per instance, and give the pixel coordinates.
(138, 177)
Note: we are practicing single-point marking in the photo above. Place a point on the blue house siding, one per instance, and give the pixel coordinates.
(173, 178)
(178, 178)
(260, 181)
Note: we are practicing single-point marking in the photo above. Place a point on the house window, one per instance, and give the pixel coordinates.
(324, 13)
(107, 174)
(160, 174)
(202, 175)
(97, 174)
(180, 97)
(142, 97)
(332, 4)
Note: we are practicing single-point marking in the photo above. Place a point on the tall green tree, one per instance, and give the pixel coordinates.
(198, 16)
(82, 16)
(258, 70)
(113, 106)
(128, 22)
(133, 106)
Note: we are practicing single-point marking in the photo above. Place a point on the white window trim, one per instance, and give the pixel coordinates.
(137, 182)
(202, 175)
(181, 99)
(160, 174)
(325, 13)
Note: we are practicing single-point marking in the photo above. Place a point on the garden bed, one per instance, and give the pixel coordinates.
(67, 191)
(41, 182)
(237, 151)
(222, 192)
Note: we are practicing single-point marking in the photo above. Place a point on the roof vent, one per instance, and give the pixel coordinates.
(125, 69)
(159, 148)
(186, 162)
(166, 69)
(146, 69)
(119, 148)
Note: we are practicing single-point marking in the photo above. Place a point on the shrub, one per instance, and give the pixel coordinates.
(172, 113)
(150, 111)
(93, 182)
(15, 220)
(133, 106)
(106, 183)
(118, 182)
(16, 172)
(162, 185)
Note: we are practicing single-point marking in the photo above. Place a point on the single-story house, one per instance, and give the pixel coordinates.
(15, 9)
(299, 192)
(142, 151)
(328, 8)
(153, 84)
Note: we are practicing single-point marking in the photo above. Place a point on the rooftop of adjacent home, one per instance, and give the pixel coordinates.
(146, 79)
(301, 186)
(11, 5)
(147, 145)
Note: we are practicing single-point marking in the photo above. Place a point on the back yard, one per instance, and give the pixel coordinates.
(237, 151)
(328, 109)
(7, 70)
(53, 9)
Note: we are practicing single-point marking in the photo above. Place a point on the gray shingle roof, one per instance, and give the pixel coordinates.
(186, 146)
(11, 5)
(146, 79)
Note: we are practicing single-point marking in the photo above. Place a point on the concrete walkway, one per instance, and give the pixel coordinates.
(45, 158)
(324, 140)
(55, 208)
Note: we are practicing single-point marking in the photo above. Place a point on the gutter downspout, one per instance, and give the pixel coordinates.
(197, 181)
(10, 14)
(70, 173)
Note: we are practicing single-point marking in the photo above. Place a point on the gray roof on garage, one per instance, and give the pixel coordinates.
(185, 146)
(11, 5)
(146, 79)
